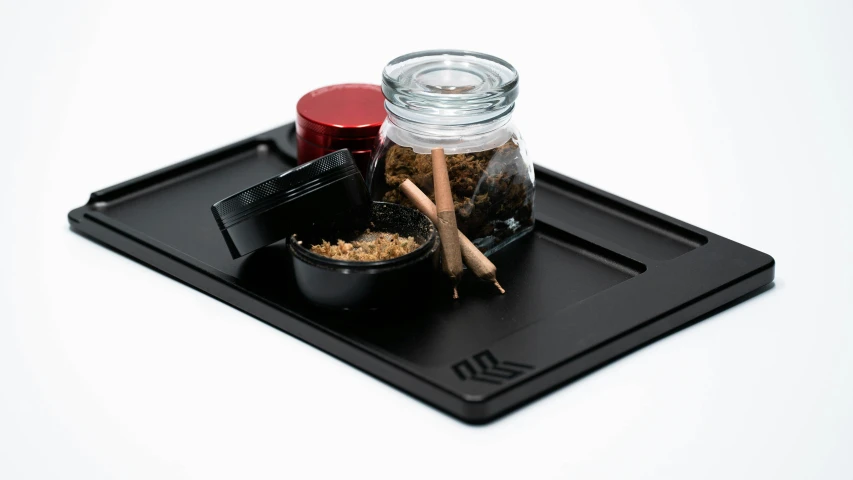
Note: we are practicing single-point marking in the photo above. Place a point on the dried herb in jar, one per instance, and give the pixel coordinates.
(492, 190)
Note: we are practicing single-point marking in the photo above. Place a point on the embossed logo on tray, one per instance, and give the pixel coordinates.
(486, 368)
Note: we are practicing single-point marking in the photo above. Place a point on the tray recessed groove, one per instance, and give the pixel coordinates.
(542, 273)
(635, 230)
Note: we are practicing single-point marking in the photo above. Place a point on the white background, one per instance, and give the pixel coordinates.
(733, 116)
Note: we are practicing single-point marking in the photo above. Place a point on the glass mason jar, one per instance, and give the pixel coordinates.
(463, 102)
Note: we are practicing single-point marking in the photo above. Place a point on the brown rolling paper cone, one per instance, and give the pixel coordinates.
(446, 223)
(472, 256)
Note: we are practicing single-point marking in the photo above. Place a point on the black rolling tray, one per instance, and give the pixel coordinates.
(598, 278)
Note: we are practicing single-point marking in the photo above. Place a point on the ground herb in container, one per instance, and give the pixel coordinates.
(368, 247)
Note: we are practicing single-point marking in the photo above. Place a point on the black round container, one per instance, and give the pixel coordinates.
(327, 191)
(365, 285)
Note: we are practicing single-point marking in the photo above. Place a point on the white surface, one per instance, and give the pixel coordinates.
(733, 116)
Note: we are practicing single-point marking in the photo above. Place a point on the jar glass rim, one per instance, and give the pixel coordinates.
(449, 87)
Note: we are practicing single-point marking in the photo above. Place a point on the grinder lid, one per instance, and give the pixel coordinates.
(350, 110)
(328, 191)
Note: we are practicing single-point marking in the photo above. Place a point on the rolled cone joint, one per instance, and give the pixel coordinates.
(478, 263)
(446, 224)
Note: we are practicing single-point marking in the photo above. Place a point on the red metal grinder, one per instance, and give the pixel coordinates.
(340, 116)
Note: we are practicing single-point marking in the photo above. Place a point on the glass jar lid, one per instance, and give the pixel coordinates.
(449, 87)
